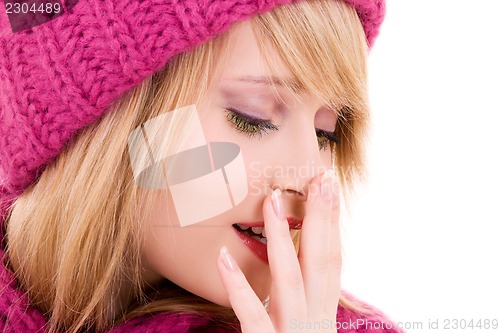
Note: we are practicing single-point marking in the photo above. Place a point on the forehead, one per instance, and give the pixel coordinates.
(246, 62)
(260, 53)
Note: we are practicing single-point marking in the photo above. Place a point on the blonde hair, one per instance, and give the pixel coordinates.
(72, 237)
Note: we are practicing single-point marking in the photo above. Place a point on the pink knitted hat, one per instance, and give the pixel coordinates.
(60, 76)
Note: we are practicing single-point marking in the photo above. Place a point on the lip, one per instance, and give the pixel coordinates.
(259, 249)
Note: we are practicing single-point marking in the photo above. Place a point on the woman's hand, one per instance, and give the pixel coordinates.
(305, 290)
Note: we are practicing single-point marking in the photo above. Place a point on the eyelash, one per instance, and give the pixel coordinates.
(249, 125)
(255, 126)
(330, 136)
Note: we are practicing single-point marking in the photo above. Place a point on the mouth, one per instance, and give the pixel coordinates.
(257, 233)
(253, 235)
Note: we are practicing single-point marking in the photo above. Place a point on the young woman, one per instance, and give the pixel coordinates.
(178, 167)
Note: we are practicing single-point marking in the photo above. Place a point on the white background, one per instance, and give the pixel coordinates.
(422, 239)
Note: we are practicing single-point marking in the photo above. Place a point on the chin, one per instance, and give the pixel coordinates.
(258, 276)
(217, 294)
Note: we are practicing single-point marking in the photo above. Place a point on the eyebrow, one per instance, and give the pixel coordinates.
(271, 80)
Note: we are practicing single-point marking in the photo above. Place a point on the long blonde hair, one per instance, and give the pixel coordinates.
(72, 237)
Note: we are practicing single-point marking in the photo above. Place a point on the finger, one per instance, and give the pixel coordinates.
(318, 254)
(287, 296)
(334, 278)
(245, 303)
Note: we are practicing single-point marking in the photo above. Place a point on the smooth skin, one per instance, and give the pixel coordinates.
(304, 288)
(287, 159)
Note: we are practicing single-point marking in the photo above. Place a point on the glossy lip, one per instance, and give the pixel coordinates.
(259, 249)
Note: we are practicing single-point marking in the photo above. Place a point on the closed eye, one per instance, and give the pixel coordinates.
(256, 126)
(249, 125)
(326, 138)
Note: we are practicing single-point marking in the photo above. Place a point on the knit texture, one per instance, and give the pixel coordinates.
(61, 76)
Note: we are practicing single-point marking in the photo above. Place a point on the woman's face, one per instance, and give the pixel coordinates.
(285, 151)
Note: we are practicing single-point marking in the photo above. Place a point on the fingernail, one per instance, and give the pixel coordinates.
(227, 259)
(277, 203)
(327, 183)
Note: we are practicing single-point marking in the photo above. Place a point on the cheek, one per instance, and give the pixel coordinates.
(177, 254)
(326, 157)
(187, 256)
(154, 223)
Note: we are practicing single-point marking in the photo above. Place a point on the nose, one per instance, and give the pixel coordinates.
(297, 165)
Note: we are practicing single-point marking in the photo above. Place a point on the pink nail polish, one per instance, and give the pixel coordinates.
(227, 259)
(277, 203)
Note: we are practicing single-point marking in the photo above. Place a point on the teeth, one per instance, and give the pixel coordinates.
(257, 230)
(256, 238)
(263, 240)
